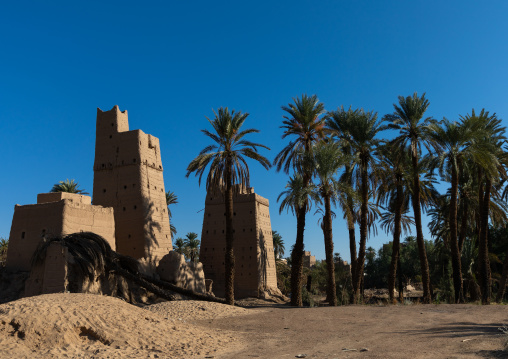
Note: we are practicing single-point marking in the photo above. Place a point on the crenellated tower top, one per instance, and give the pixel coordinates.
(111, 122)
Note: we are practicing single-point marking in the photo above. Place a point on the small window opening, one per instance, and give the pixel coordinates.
(133, 160)
(135, 207)
(110, 136)
(125, 187)
(22, 235)
(104, 190)
(124, 208)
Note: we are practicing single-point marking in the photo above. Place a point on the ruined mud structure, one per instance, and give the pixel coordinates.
(255, 270)
(129, 210)
(54, 215)
(128, 177)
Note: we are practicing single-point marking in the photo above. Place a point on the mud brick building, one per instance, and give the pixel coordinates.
(55, 214)
(128, 177)
(255, 269)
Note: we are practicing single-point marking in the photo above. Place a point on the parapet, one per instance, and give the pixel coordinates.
(58, 196)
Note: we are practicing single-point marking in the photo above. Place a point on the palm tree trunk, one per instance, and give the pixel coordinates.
(396, 240)
(330, 265)
(160, 288)
(502, 282)
(401, 286)
(424, 265)
(229, 260)
(297, 260)
(363, 231)
(352, 242)
(484, 252)
(463, 225)
(480, 205)
(454, 246)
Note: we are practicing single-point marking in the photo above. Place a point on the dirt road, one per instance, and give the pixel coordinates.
(412, 331)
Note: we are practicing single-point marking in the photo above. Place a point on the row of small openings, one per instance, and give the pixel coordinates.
(123, 162)
(125, 186)
(135, 207)
(156, 209)
(155, 187)
(234, 231)
(224, 249)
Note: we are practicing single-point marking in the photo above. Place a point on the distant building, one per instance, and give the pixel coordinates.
(255, 269)
(309, 261)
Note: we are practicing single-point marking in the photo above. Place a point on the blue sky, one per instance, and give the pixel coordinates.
(170, 63)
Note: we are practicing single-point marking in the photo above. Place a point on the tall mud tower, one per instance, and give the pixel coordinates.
(128, 177)
(255, 270)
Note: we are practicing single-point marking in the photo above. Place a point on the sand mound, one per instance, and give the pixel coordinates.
(190, 310)
(86, 325)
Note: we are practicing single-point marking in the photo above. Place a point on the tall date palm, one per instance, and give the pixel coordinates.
(304, 125)
(407, 119)
(328, 158)
(228, 167)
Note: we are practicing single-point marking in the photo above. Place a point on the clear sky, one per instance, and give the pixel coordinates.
(169, 63)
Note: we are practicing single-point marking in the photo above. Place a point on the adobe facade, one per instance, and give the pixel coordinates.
(55, 214)
(255, 269)
(309, 260)
(128, 177)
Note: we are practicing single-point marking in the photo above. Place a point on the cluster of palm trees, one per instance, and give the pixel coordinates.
(188, 246)
(338, 158)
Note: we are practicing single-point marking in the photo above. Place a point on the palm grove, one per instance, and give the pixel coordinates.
(338, 160)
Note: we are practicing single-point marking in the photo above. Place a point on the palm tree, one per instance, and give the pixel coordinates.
(67, 186)
(454, 144)
(171, 198)
(328, 158)
(192, 246)
(303, 122)
(226, 157)
(407, 119)
(278, 245)
(338, 123)
(490, 169)
(180, 246)
(361, 135)
(394, 167)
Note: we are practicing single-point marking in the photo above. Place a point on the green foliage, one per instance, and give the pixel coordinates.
(307, 299)
(4, 243)
(188, 246)
(278, 245)
(171, 198)
(283, 277)
(67, 186)
(228, 151)
(192, 246)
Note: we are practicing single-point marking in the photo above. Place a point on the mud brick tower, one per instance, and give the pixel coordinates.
(128, 177)
(253, 244)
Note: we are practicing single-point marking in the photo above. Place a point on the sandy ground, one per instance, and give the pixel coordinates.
(94, 326)
(88, 326)
(406, 331)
